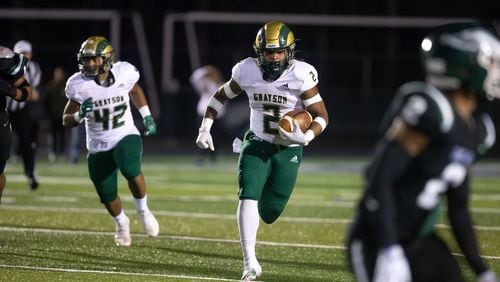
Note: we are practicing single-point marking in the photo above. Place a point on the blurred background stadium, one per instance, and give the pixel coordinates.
(363, 51)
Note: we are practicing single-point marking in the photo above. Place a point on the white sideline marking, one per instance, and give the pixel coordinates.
(114, 272)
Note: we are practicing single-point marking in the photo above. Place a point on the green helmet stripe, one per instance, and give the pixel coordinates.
(101, 46)
(271, 37)
(283, 37)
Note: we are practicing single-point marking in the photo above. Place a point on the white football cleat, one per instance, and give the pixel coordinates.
(151, 225)
(122, 234)
(251, 273)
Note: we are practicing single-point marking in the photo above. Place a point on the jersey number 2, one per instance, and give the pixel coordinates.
(273, 117)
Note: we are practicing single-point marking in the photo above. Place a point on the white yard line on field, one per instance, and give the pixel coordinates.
(114, 272)
(344, 202)
(191, 238)
(218, 216)
(173, 214)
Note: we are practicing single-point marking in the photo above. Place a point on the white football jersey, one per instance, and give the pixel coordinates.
(111, 117)
(269, 101)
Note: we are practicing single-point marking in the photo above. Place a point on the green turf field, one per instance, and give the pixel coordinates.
(62, 232)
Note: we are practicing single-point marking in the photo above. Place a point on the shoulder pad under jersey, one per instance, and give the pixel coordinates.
(422, 107)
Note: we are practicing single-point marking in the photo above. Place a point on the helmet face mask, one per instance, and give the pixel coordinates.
(490, 61)
(93, 47)
(271, 38)
(463, 56)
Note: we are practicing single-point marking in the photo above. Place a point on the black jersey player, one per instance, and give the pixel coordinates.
(433, 132)
(14, 85)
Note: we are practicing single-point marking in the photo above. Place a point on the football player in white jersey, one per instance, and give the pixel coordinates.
(275, 84)
(100, 93)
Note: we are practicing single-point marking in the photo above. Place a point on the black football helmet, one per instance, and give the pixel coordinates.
(95, 46)
(463, 56)
(274, 36)
(11, 63)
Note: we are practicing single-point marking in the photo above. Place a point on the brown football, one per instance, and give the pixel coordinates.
(303, 117)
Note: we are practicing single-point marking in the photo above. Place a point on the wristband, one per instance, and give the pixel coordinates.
(321, 121)
(77, 117)
(206, 124)
(144, 111)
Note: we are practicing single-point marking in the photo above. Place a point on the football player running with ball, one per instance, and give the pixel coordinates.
(100, 93)
(434, 131)
(275, 83)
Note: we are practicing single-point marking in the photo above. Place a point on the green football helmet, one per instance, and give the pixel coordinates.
(463, 56)
(274, 36)
(95, 46)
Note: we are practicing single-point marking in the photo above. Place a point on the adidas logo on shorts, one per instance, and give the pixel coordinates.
(295, 159)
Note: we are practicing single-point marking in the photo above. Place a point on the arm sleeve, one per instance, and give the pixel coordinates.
(461, 224)
(379, 204)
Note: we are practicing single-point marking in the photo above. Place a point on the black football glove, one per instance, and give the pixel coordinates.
(6, 89)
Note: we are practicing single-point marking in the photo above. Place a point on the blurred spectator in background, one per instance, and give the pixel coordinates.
(76, 142)
(25, 116)
(205, 81)
(55, 100)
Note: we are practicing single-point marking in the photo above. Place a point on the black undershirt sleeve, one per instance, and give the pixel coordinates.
(391, 162)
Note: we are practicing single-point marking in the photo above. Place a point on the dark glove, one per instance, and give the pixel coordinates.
(150, 125)
(85, 107)
(6, 89)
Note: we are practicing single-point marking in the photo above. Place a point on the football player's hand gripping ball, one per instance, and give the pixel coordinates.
(150, 125)
(296, 136)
